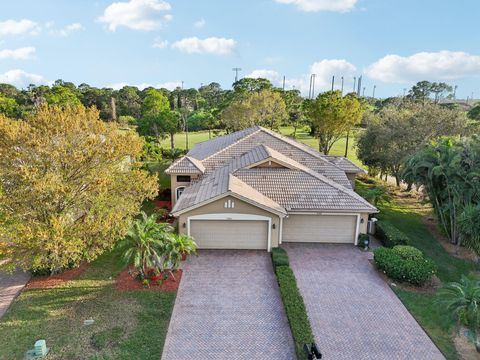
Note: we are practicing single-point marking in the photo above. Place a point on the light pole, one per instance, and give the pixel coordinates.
(342, 85)
(236, 69)
(374, 87)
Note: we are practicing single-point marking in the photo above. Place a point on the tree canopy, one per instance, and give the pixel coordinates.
(69, 186)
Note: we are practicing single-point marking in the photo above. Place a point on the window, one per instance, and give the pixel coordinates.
(180, 191)
(183, 178)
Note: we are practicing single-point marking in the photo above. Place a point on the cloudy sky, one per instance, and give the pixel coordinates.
(391, 43)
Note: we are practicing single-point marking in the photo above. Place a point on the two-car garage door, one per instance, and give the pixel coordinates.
(320, 228)
(230, 234)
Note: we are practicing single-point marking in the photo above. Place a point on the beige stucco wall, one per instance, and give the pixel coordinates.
(174, 185)
(363, 227)
(241, 207)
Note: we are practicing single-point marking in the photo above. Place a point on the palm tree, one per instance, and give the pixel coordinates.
(144, 244)
(463, 299)
(469, 227)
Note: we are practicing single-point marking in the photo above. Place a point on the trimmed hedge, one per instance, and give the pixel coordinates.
(404, 263)
(390, 235)
(279, 257)
(295, 309)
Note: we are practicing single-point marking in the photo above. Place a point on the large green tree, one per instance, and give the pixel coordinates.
(69, 187)
(331, 116)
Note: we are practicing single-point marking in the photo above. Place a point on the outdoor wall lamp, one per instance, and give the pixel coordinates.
(362, 221)
(184, 225)
(273, 226)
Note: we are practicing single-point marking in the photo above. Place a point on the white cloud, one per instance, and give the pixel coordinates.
(13, 27)
(67, 30)
(271, 75)
(434, 66)
(160, 44)
(146, 15)
(200, 23)
(324, 70)
(170, 85)
(321, 5)
(212, 45)
(21, 79)
(18, 54)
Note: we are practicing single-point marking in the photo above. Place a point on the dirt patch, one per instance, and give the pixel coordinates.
(126, 281)
(430, 287)
(464, 346)
(46, 282)
(459, 252)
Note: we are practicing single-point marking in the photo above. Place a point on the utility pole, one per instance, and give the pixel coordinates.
(236, 69)
(283, 87)
(374, 87)
(359, 85)
(114, 108)
(455, 92)
(404, 91)
(354, 83)
(342, 85)
(363, 92)
(182, 84)
(333, 81)
(313, 85)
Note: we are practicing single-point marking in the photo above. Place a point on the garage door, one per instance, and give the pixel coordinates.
(230, 234)
(319, 228)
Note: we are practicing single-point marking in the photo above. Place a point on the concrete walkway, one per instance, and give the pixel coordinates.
(228, 306)
(354, 313)
(10, 287)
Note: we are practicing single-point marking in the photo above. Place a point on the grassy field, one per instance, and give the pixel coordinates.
(302, 135)
(128, 325)
(406, 213)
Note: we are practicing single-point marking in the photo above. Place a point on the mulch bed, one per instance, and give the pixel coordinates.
(127, 282)
(46, 282)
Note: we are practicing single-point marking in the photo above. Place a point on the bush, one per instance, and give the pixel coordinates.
(279, 257)
(390, 235)
(404, 263)
(295, 309)
(361, 240)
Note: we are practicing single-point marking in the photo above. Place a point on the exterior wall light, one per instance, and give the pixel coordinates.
(273, 226)
(362, 221)
(184, 225)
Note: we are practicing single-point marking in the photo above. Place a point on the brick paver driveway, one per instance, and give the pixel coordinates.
(228, 306)
(354, 314)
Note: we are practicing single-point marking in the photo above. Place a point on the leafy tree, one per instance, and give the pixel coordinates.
(8, 106)
(69, 186)
(331, 116)
(422, 91)
(264, 108)
(474, 113)
(293, 103)
(129, 102)
(154, 103)
(63, 96)
(252, 85)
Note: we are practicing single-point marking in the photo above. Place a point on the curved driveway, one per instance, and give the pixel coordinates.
(228, 306)
(353, 312)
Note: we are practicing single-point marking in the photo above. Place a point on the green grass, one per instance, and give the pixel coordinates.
(406, 214)
(128, 325)
(159, 169)
(302, 136)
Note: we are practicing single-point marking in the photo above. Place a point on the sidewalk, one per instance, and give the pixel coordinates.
(10, 287)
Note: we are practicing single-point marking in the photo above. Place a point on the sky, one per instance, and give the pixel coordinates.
(392, 44)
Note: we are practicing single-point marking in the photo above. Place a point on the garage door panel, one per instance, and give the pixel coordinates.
(320, 228)
(230, 234)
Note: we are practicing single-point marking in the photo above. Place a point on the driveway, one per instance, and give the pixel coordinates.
(10, 287)
(353, 312)
(228, 306)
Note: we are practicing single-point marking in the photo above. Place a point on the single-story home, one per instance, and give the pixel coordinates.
(255, 189)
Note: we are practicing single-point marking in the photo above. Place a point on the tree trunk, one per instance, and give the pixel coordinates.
(295, 131)
(346, 144)
(397, 180)
(209, 133)
(172, 140)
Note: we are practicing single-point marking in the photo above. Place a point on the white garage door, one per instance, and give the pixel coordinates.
(319, 228)
(230, 234)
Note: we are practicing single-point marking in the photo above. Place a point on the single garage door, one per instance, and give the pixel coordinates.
(230, 234)
(319, 228)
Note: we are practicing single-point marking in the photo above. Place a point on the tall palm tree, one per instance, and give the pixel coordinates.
(463, 299)
(144, 244)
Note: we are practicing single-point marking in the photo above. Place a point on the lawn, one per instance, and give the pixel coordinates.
(128, 325)
(302, 136)
(406, 214)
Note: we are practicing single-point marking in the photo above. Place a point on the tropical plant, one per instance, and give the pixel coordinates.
(377, 195)
(145, 243)
(463, 299)
(174, 250)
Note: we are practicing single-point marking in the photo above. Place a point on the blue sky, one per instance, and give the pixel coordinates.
(392, 44)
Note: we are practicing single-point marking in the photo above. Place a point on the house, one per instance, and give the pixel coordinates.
(255, 189)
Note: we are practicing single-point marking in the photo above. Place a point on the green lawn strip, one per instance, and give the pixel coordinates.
(127, 324)
(438, 324)
(159, 169)
(292, 302)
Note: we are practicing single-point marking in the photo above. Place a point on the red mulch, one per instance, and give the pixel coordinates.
(163, 204)
(46, 282)
(128, 282)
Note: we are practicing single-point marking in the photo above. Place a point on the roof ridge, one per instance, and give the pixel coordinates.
(195, 162)
(234, 143)
(298, 145)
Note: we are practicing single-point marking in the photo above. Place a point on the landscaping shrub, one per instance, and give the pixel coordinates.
(279, 257)
(361, 240)
(295, 309)
(390, 235)
(404, 263)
